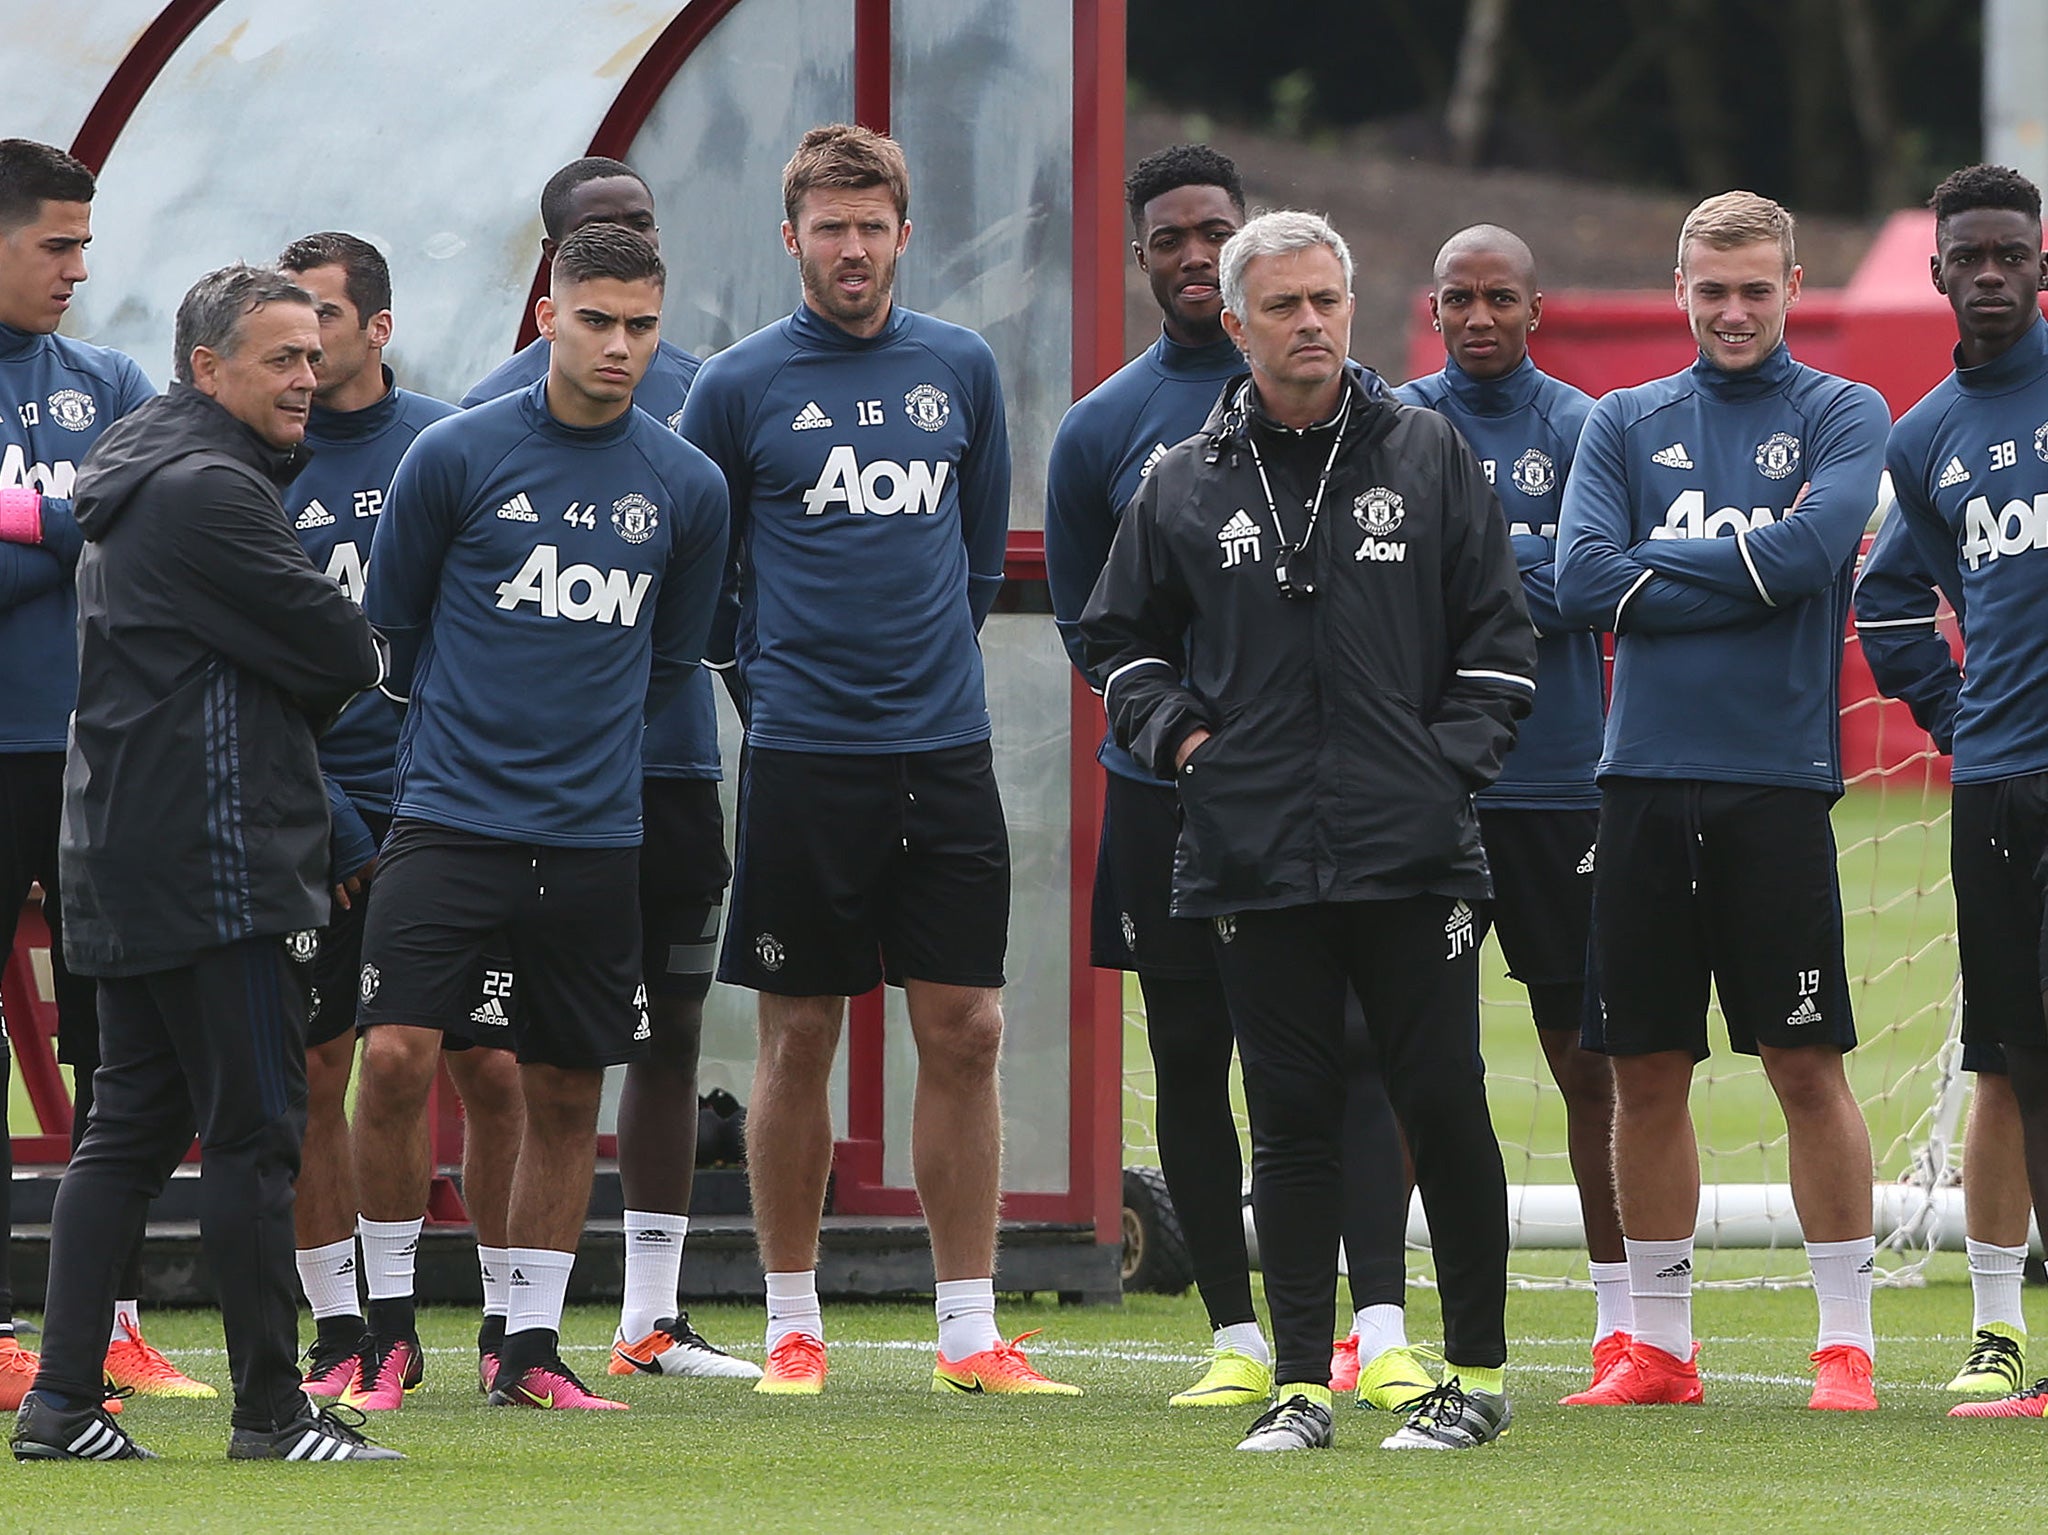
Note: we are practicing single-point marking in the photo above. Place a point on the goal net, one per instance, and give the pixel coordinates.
(1891, 829)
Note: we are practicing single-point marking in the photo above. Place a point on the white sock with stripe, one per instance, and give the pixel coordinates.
(654, 1269)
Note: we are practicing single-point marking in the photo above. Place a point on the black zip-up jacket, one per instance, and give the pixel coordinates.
(1351, 727)
(210, 652)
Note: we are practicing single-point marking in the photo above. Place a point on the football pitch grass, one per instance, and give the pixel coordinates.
(879, 1452)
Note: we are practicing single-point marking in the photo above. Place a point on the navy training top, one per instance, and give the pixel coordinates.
(542, 587)
(870, 486)
(682, 740)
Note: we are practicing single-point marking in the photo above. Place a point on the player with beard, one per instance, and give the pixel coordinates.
(868, 459)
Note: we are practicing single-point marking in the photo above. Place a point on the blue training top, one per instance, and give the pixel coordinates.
(870, 482)
(1678, 533)
(1897, 612)
(334, 505)
(1524, 429)
(682, 740)
(543, 587)
(1107, 443)
(1969, 466)
(56, 397)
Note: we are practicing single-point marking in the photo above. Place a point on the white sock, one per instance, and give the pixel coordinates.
(793, 1306)
(967, 1316)
(328, 1276)
(654, 1268)
(1996, 1274)
(1660, 1293)
(539, 1283)
(1842, 1274)
(389, 1248)
(1242, 1338)
(494, 1266)
(1613, 1310)
(1379, 1328)
(127, 1314)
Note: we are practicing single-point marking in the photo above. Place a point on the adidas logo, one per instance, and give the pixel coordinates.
(1461, 916)
(1867, 1266)
(1239, 526)
(1804, 1013)
(491, 1014)
(654, 1238)
(519, 1277)
(810, 418)
(411, 1247)
(1678, 1270)
(1952, 473)
(1158, 452)
(1586, 863)
(519, 509)
(1673, 457)
(315, 516)
(346, 1266)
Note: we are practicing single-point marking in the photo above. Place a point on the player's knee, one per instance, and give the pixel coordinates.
(966, 1044)
(488, 1085)
(1585, 1078)
(676, 1026)
(398, 1068)
(798, 1042)
(327, 1074)
(559, 1098)
(1809, 1081)
(1658, 1084)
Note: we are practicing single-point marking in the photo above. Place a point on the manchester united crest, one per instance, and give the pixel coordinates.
(928, 406)
(73, 409)
(1778, 455)
(1379, 511)
(1534, 474)
(634, 518)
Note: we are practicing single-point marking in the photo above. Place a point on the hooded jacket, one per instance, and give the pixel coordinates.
(210, 653)
(1349, 728)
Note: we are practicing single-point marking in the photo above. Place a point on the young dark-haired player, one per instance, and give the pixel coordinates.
(1540, 817)
(545, 568)
(360, 426)
(56, 397)
(683, 873)
(1711, 521)
(1897, 623)
(1968, 465)
(869, 465)
(1185, 202)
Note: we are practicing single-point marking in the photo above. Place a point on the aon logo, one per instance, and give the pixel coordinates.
(346, 570)
(581, 592)
(1687, 517)
(2014, 529)
(51, 479)
(879, 489)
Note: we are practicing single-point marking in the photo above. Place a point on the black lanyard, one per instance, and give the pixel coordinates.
(1315, 505)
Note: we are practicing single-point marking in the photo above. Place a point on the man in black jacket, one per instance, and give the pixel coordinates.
(1311, 620)
(194, 857)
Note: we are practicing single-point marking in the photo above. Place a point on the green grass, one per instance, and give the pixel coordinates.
(878, 1452)
(1899, 924)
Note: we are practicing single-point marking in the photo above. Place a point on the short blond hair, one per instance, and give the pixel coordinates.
(1735, 219)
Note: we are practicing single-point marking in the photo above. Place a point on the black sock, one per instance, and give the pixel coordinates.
(394, 1318)
(525, 1350)
(334, 1334)
(490, 1337)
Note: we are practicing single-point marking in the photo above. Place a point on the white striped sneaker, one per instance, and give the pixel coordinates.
(45, 1431)
(322, 1435)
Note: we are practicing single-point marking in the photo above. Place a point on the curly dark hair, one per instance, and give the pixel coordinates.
(1984, 186)
(1182, 165)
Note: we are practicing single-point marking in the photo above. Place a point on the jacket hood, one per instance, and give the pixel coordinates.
(171, 427)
